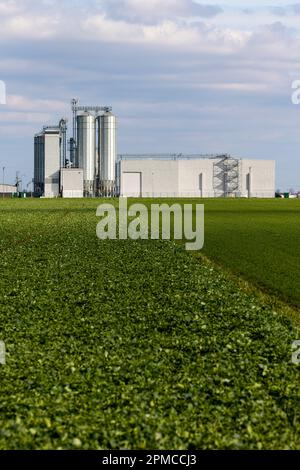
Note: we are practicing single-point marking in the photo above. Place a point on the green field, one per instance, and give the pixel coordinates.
(258, 239)
(132, 345)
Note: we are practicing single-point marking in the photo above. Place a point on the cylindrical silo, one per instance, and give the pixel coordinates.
(107, 153)
(86, 151)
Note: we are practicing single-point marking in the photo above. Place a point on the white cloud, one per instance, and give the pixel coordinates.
(37, 27)
(197, 37)
(220, 34)
(9, 7)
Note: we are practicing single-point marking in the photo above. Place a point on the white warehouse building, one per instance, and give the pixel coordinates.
(194, 176)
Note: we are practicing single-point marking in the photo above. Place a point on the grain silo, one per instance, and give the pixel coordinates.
(86, 151)
(107, 153)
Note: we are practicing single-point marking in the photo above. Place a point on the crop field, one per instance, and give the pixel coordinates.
(258, 239)
(140, 344)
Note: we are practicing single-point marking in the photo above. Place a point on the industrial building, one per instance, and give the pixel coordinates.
(47, 162)
(195, 176)
(8, 190)
(90, 167)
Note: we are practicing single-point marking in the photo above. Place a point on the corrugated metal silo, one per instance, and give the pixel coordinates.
(107, 153)
(86, 151)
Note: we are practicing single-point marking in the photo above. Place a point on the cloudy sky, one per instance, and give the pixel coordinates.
(182, 76)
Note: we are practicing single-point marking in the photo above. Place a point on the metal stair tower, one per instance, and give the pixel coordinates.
(226, 176)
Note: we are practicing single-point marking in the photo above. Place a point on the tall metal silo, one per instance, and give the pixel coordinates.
(86, 151)
(107, 153)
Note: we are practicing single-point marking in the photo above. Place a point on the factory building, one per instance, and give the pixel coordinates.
(89, 171)
(194, 176)
(92, 168)
(47, 152)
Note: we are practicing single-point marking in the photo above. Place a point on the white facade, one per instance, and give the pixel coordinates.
(8, 189)
(47, 147)
(52, 163)
(191, 177)
(261, 175)
(71, 182)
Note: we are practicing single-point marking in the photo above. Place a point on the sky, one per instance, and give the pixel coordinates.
(182, 76)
